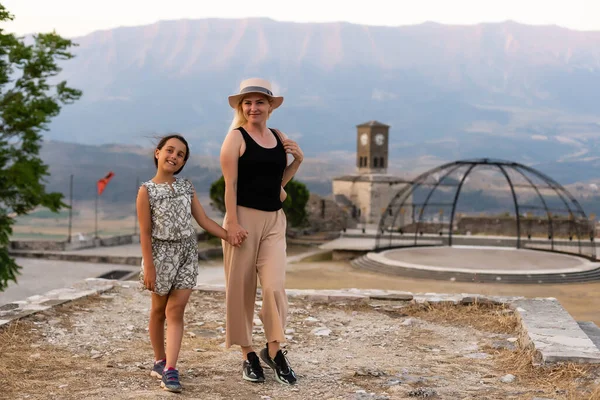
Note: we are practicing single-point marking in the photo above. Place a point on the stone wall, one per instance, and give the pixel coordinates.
(357, 195)
(381, 195)
(119, 240)
(368, 195)
(50, 245)
(506, 226)
(37, 245)
(536, 227)
(325, 215)
(426, 227)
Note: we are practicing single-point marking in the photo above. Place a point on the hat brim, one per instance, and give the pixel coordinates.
(234, 100)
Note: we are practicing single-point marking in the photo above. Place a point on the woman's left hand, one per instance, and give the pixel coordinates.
(291, 147)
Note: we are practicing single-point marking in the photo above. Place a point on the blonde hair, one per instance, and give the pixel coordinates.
(238, 114)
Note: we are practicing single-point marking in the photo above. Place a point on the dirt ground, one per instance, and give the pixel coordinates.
(98, 348)
(582, 300)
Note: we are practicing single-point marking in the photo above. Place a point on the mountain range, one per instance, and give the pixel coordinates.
(505, 90)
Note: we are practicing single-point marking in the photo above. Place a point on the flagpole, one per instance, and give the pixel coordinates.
(96, 237)
(100, 185)
(70, 208)
(137, 183)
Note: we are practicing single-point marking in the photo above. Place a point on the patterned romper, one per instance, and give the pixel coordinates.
(174, 244)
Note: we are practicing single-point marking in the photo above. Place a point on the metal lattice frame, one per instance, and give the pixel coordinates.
(391, 236)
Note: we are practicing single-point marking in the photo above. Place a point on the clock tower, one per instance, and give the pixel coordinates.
(367, 193)
(372, 147)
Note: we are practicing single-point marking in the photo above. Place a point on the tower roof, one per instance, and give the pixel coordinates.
(372, 123)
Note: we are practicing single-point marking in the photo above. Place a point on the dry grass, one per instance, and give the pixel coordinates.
(481, 316)
(29, 361)
(573, 381)
(26, 369)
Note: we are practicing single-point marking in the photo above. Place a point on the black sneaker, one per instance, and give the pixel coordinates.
(252, 371)
(283, 372)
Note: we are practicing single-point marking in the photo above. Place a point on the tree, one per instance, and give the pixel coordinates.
(217, 195)
(294, 205)
(29, 97)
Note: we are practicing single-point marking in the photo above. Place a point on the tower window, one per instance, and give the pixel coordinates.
(381, 163)
(375, 162)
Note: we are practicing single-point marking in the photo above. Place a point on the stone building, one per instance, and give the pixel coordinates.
(367, 193)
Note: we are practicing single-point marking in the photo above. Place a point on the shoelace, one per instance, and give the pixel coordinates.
(172, 375)
(284, 363)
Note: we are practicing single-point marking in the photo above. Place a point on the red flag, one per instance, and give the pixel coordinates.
(104, 181)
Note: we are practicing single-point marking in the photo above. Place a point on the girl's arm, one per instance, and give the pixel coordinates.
(145, 221)
(206, 223)
(291, 147)
(230, 154)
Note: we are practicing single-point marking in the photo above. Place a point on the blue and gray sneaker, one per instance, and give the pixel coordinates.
(170, 380)
(157, 368)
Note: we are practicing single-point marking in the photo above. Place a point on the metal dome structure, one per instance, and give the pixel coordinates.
(537, 211)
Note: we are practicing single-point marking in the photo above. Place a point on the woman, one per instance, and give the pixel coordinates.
(255, 168)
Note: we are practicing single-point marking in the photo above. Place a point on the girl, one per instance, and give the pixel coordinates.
(165, 207)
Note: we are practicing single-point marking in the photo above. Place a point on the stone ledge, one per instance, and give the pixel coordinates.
(591, 330)
(553, 333)
(33, 304)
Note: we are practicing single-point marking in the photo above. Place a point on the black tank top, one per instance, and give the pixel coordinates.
(260, 171)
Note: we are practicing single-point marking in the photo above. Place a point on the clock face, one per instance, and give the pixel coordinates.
(364, 138)
(379, 139)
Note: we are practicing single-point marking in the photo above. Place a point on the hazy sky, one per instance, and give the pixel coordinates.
(79, 17)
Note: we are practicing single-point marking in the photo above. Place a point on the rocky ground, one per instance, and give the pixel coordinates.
(98, 348)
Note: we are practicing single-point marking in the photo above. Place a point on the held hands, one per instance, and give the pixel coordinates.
(236, 234)
(150, 277)
(291, 147)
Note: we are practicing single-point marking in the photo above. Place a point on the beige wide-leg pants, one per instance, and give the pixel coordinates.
(262, 254)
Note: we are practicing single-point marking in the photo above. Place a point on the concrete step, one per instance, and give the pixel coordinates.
(592, 330)
(554, 334)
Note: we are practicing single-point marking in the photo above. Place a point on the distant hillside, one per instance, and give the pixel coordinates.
(88, 163)
(505, 90)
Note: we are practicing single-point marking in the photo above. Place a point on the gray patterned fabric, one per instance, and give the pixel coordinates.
(174, 244)
(171, 209)
(176, 265)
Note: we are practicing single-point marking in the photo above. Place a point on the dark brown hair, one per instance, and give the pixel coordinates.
(162, 143)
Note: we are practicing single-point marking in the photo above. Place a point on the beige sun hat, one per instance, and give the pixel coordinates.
(255, 85)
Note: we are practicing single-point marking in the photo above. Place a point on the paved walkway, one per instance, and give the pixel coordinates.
(39, 276)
